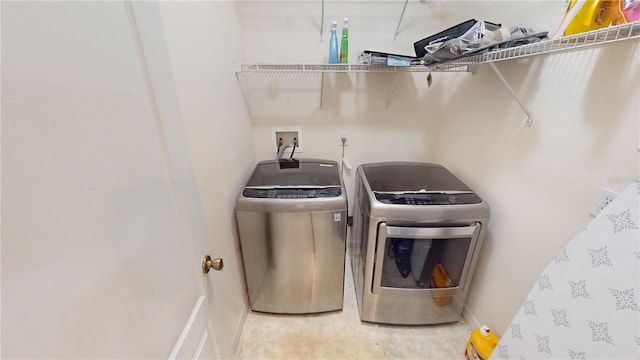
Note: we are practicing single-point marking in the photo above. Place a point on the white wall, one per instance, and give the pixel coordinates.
(203, 40)
(91, 80)
(406, 128)
(541, 181)
(468, 122)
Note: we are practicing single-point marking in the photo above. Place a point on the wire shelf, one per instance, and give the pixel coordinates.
(340, 68)
(582, 40)
(588, 39)
(465, 64)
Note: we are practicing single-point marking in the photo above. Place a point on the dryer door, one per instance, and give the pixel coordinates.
(433, 260)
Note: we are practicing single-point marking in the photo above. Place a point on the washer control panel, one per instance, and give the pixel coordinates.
(292, 193)
(427, 199)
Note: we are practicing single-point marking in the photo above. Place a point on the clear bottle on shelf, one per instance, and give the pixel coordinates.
(333, 44)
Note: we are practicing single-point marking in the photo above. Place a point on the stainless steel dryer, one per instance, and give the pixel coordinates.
(416, 236)
(292, 217)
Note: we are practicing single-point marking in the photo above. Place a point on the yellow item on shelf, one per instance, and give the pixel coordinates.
(441, 279)
(481, 344)
(594, 14)
(618, 16)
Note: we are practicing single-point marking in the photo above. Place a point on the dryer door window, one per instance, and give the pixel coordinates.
(419, 258)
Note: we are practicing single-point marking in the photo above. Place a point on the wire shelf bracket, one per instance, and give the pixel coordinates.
(395, 36)
(322, 23)
(513, 93)
(391, 91)
(321, 88)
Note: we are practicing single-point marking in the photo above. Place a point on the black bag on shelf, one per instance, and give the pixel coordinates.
(448, 34)
(473, 37)
(468, 38)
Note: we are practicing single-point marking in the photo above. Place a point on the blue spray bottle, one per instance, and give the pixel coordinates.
(333, 44)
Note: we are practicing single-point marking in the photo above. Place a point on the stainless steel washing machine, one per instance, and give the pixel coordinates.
(416, 237)
(292, 218)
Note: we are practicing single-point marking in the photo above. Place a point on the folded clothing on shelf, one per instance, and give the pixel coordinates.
(468, 38)
(473, 37)
(464, 30)
(371, 57)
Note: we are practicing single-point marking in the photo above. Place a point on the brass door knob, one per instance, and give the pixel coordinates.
(208, 264)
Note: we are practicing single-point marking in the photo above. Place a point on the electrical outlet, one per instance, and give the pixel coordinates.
(343, 138)
(604, 199)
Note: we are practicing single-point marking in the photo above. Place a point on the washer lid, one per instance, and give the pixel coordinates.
(293, 173)
(410, 177)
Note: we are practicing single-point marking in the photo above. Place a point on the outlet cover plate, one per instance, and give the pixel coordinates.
(604, 199)
(343, 135)
(287, 134)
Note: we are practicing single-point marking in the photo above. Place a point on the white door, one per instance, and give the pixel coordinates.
(101, 248)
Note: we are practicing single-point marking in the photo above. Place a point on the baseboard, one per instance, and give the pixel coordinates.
(470, 318)
(239, 326)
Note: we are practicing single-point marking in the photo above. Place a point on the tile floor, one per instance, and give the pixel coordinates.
(341, 335)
